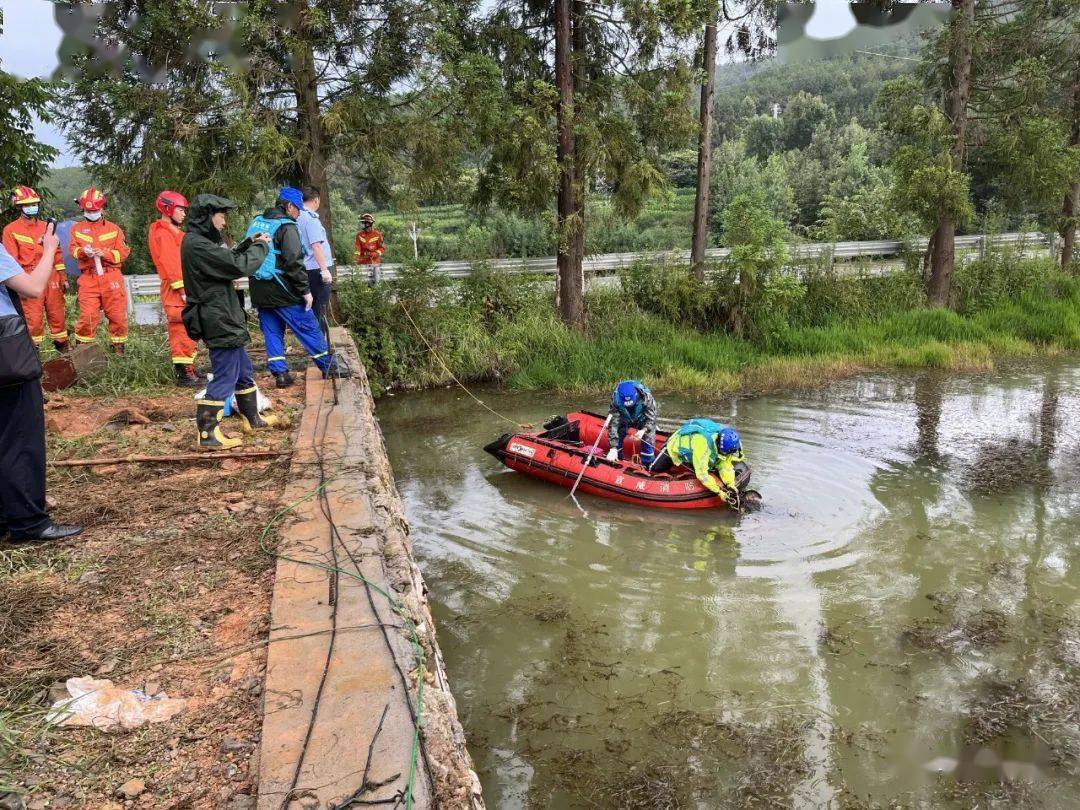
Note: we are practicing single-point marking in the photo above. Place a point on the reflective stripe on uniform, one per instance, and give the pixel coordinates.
(117, 339)
(275, 358)
(177, 285)
(59, 335)
(116, 256)
(81, 339)
(184, 361)
(246, 391)
(84, 236)
(23, 238)
(320, 354)
(108, 235)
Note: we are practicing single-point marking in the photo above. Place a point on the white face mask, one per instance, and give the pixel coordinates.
(93, 216)
(30, 210)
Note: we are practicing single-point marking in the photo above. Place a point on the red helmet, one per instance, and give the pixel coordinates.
(167, 201)
(91, 200)
(24, 195)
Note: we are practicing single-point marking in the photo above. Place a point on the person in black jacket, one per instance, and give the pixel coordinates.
(280, 290)
(214, 315)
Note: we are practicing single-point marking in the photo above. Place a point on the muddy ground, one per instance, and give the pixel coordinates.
(168, 591)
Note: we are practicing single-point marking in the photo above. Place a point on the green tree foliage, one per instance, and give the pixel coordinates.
(26, 159)
(758, 243)
(927, 185)
(235, 104)
(736, 173)
(802, 117)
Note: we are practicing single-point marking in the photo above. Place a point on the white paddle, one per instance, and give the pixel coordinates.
(588, 456)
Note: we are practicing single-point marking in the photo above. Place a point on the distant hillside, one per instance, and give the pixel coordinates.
(848, 84)
(64, 186)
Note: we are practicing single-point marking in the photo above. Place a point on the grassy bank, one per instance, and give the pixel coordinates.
(491, 327)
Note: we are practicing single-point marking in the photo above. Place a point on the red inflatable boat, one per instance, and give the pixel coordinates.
(558, 453)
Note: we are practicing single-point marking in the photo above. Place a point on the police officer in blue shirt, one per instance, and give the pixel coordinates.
(22, 409)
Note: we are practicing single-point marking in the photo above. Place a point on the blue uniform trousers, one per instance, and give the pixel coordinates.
(304, 325)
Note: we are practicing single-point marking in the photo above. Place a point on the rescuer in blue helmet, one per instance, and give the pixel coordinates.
(710, 449)
(632, 406)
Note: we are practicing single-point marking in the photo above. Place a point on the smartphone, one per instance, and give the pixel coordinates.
(51, 221)
(243, 244)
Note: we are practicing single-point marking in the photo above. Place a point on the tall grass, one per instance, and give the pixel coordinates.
(496, 328)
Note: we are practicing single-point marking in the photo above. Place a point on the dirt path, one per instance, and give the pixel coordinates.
(167, 590)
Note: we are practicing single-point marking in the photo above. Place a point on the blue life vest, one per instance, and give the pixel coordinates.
(702, 427)
(636, 415)
(269, 268)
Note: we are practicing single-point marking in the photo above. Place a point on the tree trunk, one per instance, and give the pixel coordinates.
(704, 160)
(1070, 210)
(569, 293)
(942, 260)
(314, 144)
(577, 29)
(956, 100)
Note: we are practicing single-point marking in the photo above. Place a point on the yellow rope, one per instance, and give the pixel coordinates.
(454, 377)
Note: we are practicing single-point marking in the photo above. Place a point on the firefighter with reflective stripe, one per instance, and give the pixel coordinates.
(164, 242)
(710, 449)
(369, 248)
(280, 291)
(632, 406)
(22, 239)
(98, 245)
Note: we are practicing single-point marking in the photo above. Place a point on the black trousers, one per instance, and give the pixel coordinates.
(320, 296)
(22, 457)
(663, 462)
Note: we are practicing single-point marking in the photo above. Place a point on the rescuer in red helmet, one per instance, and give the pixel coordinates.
(100, 249)
(22, 238)
(164, 242)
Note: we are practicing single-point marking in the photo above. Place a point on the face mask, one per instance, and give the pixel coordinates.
(30, 210)
(93, 216)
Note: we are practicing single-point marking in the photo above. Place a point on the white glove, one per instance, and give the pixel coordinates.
(307, 301)
(612, 454)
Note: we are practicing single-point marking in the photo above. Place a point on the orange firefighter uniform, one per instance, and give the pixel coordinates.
(164, 243)
(369, 247)
(101, 283)
(22, 239)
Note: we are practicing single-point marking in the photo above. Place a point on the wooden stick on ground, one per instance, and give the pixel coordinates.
(182, 457)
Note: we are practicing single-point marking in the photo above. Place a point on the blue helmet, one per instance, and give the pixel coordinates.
(626, 394)
(729, 440)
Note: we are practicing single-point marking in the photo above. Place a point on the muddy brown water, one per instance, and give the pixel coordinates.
(899, 624)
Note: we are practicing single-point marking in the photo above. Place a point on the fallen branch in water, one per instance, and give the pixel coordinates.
(182, 457)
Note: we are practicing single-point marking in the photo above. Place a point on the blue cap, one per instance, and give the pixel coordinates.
(292, 195)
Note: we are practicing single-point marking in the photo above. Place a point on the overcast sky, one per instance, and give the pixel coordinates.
(31, 38)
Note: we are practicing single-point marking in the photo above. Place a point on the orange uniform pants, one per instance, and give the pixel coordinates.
(181, 346)
(102, 293)
(53, 307)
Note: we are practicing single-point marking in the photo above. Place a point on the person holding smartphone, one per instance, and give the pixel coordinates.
(22, 409)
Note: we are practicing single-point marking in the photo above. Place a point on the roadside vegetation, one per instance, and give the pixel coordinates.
(663, 326)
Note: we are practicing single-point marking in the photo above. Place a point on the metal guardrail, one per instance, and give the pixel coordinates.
(148, 286)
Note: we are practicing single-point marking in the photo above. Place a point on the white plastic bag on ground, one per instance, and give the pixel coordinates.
(100, 704)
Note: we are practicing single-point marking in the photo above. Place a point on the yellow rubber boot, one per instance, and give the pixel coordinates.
(208, 421)
(247, 405)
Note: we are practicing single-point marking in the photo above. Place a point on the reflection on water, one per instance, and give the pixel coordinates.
(898, 624)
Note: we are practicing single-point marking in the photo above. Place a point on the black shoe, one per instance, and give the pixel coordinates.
(338, 370)
(54, 531)
(63, 346)
(185, 376)
(283, 379)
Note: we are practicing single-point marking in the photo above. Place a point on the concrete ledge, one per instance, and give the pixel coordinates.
(342, 666)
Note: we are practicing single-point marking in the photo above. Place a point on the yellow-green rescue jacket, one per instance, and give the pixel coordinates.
(698, 451)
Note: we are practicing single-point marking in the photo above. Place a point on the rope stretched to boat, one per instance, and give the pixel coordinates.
(453, 376)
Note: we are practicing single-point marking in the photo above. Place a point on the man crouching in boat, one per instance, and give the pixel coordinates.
(708, 448)
(632, 406)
